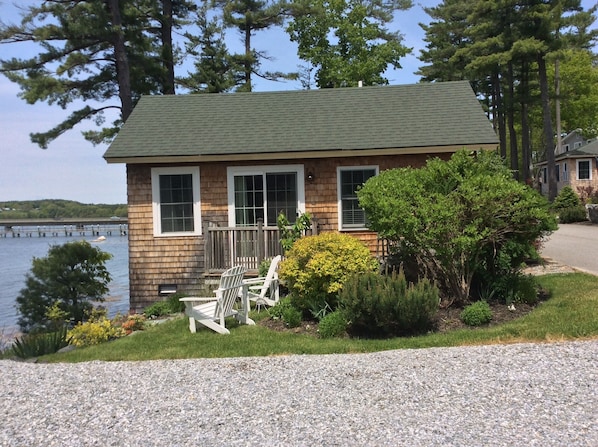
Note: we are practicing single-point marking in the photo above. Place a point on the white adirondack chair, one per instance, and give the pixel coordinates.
(211, 311)
(264, 290)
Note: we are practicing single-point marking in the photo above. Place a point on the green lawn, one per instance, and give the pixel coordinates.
(571, 313)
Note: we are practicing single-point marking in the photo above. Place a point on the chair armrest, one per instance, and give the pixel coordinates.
(251, 281)
(189, 299)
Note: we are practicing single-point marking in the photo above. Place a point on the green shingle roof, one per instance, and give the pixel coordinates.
(588, 150)
(384, 117)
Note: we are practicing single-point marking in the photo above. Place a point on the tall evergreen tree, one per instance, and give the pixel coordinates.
(248, 17)
(512, 44)
(92, 52)
(445, 34)
(216, 70)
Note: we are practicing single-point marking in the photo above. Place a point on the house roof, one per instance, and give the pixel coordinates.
(589, 150)
(294, 123)
(585, 151)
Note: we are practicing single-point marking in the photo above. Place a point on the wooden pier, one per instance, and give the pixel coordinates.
(95, 227)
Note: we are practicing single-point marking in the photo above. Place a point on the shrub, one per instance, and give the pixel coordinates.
(333, 324)
(72, 275)
(573, 214)
(35, 345)
(157, 309)
(527, 290)
(453, 214)
(477, 314)
(566, 198)
(316, 267)
(133, 323)
(289, 234)
(176, 306)
(94, 332)
(383, 306)
(278, 309)
(291, 317)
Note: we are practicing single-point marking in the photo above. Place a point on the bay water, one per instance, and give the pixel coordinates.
(16, 255)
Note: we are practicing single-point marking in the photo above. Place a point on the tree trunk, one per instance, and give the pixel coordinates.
(500, 119)
(511, 124)
(547, 127)
(525, 140)
(167, 55)
(123, 75)
(248, 59)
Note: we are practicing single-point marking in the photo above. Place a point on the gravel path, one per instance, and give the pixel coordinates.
(513, 395)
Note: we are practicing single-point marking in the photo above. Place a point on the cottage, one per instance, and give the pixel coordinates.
(207, 175)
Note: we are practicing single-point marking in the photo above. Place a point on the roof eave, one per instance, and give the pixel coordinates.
(269, 156)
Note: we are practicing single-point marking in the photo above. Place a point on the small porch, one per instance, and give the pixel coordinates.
(226, 247)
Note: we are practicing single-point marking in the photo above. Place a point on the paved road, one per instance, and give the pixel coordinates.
(575, 245)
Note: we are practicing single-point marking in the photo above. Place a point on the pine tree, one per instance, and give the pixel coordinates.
(91, 53)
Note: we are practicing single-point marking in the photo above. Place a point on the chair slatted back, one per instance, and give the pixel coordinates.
(230, 283)
(270, 276)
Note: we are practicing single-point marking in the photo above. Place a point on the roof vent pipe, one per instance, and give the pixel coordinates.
(360, 84)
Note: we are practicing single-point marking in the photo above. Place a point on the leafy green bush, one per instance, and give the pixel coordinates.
(291, 317)
(573, 214)
(94, 331)
(161, 308)
(527, 290)
(285, 311)
(157, 309)
(477, 314)
(289, 234)
(333, 324)
(176, 306)
(383, 306)
(452, 215)
(277, 310)
(316, 267)
(35, 345)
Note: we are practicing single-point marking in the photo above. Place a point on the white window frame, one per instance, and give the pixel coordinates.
(233, 171)
(565, 173)
(340, 169)
(589, 161)
(156, 212)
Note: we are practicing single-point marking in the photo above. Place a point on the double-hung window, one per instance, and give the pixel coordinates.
(175, 199)
(350, 215)
(584, 171)
(263, 192)
(558, 172)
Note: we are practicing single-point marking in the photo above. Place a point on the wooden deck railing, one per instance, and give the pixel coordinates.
(246, 246)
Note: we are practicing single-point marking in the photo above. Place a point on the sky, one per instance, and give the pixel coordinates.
(73, 169)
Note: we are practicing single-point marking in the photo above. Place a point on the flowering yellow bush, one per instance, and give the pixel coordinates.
(316, 267)
(94, 332)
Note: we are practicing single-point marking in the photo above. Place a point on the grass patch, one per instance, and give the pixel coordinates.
(571, 313)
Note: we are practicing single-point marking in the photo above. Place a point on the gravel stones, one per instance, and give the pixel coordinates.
(500, 395)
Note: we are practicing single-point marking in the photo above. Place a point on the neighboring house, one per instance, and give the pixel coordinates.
(570, 142)
(575, 165)
(205, 170)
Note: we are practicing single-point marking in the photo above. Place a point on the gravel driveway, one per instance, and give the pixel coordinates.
(501, 395)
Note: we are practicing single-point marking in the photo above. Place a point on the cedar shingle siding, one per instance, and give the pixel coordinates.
(388, 127)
